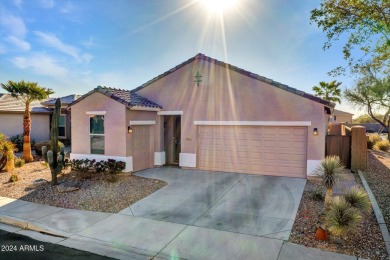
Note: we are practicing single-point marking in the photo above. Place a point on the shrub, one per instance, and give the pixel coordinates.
(19, 162)
(329, 170)
(372, 140)
(17, 140)
(358, 198)
(383, 145)
(341, 218)
(114, 166)
(14, 178)
(110, 166)
(38, 146)
(316, 194)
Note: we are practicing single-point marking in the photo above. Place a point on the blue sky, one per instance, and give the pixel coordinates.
(73, 46)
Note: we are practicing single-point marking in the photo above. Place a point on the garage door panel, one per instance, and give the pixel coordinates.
(266, 150)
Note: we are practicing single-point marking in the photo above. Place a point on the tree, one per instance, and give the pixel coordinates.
(27, 92)
(373, 94)
(366, 119)
(367, 22)
(328, 91)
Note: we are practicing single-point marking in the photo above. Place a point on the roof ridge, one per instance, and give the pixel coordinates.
(201, 56)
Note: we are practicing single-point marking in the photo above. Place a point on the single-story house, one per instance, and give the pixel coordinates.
(204, 114)
(342, 117)
(11, 117)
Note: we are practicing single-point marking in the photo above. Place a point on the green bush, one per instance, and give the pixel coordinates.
(316, 194)
(13, 178)
(19, 162)
(17, 140)
(110, 166)
(38, 146)
(341, 218)
(372, 140)
(383, 145)
(358, 198)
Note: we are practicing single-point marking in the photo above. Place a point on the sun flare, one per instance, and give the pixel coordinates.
(219, 6)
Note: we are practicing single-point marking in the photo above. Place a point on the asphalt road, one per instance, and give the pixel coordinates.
(14, 246)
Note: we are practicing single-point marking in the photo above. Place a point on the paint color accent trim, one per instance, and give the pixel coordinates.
(255, 123)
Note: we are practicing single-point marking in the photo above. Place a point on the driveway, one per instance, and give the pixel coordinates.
(242, 203)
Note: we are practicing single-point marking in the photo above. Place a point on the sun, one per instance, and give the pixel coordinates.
(219, 6)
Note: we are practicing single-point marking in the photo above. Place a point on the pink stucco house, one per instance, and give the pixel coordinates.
(204, 114)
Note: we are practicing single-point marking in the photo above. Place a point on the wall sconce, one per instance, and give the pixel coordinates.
(129, 129)
(315, 131)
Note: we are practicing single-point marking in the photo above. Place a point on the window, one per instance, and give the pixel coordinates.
(96, 130)
(62, 126)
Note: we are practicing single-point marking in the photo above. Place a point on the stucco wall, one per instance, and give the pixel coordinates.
(11, 124)
(225, 95)
(343, 118)
(115, 125)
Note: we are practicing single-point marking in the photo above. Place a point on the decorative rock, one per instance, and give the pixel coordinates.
(321, 234)
(336, 240)
(68, 186)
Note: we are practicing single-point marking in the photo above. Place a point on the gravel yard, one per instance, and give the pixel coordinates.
(366, 242)
(378, 178)
(97, 193)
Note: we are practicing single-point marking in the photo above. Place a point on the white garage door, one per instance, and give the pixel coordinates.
(264, 150)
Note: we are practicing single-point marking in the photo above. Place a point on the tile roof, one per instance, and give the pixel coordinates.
(126, 97)
(64, 100)
(11, 104)
(201, 56)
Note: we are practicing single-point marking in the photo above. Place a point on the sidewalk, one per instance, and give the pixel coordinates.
(128, 237)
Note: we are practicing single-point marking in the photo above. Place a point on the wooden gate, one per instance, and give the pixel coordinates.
(339, 145)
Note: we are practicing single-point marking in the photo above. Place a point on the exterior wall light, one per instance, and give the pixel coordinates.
(129, 129)
(315, 131)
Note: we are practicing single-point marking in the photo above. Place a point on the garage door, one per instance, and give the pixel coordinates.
(142, 156)
(263, 150)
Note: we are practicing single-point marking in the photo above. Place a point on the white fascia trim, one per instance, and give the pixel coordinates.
(99, 157)
(96, 113)
(145, 108)
(312, 165)
(187, 160)
(255, 123)
(142, 122)
(169, 113)
(159, 158)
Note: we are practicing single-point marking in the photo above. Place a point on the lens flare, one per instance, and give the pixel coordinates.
(219, 6)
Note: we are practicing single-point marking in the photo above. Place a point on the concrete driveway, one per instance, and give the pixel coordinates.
(242, 203)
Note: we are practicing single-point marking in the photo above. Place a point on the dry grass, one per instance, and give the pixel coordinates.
(97, 193)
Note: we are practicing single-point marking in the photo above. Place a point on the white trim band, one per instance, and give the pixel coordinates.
(169, 113)
(143, 122)
(187, 160)
(255, 123)
(96, 113)
(159, 158)
(99, 157)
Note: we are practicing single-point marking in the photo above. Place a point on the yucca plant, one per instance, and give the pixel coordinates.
(341, 218)
(329, 170)
(358, 198)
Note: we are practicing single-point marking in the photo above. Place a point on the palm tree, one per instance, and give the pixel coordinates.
(329, 170)
(329, 91)
(27, 92)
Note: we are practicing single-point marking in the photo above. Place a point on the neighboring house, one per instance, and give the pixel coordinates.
(64, 131)
(204, 114)
(11, 117)
(342, 117)
(371, 127)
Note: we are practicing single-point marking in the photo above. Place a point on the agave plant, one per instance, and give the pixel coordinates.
(358, 198)
(329, 170)
(341, 218)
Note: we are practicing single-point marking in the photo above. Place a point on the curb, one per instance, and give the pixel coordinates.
(378, 213)
(41, 228)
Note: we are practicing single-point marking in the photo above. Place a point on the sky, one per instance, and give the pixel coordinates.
(74, 46)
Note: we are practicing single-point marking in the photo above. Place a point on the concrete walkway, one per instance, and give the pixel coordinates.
(125, 236)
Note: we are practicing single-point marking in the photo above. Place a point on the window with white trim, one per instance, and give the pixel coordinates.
(96, 131)
(62, 126)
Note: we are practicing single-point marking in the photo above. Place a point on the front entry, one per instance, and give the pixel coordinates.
(142, 156)
(172, 136)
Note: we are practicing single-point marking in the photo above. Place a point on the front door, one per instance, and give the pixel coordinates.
(172, 136)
